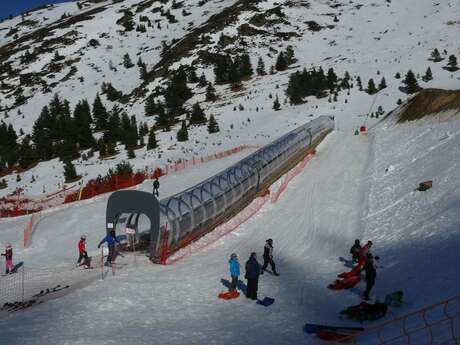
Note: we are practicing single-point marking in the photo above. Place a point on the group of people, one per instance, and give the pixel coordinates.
(370, 266)
(253, 270)
(85, 260)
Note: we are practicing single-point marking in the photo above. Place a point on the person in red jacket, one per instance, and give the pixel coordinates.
(9, 258)
(365, 249)
(82, 250)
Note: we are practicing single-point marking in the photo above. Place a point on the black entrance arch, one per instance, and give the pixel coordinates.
(135, 202)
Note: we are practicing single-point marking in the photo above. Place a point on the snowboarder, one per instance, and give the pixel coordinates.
(81, 249)
(156, 186)
(365, 249)
(9, 258)
(355, 250)
(252, 275)
(111, 240)
(371, 274)
(234, 271)
(268, 257)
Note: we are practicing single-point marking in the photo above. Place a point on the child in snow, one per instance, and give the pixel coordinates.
(355, 250)
(252, 275)
(9, 258)
(81, 249)
(268, 257)
(234, 271)
(111, 240)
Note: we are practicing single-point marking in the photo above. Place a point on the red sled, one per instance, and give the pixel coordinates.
(347, 283)
(356, 270)
(229, 295)
(333, 336)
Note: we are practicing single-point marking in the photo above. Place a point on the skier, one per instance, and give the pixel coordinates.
(371, 274)
(111, 240)
(252, 275)
(81, 249)
(268, 257)
(9, 258)
(355, 250)
(156, 186)
(234, 271)
(365, 249)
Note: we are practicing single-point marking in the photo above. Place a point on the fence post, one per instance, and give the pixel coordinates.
(102, 262)
(23, 278)
(164, 247)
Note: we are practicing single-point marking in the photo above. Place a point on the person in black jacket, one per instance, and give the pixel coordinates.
(355, 250)
(156, 186)
(252, 275)
(371, 274)
(268, 257)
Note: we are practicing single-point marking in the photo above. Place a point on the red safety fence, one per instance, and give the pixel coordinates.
(17, 204)
(28, 232)
(437, 324)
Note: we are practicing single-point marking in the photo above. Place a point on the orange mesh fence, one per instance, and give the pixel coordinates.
(17, 204)
(28, 232)
(437, 324)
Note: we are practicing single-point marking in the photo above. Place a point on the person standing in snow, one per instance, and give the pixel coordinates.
(268, 257)
(355, 250)
(8, 254)
(371, 274)
(81, 249)
(111, 240)
(234, 271)
(365, 249)
(156, 187)
(252, 275)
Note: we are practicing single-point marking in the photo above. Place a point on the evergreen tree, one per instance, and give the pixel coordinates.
(150, 106)
(26, 153)
(162, 120)
(260, 67)
(360, 84)
(182, 134)
(331, 79)
(245, 67)
(70, 173)
(436, 56)
(127, 63)
(411, 83)
(210, 93)
(290, 58)
(114, 132)
(281, 62)
(177, 92)
(41, 135)
(152, 143)
(202, 82)
(452, 64)
(197, 115)
(102, 148)
(99, 113)
(213, 126)
(130, 152)
(192, 77)
(371, 89)
(82, 119)
(428, 75)
(383, 84)
(398, 75)
(276, 104)
(67, 149)
(222, 69)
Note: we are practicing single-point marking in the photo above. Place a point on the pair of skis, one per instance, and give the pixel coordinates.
(48, 291)
(15, 306)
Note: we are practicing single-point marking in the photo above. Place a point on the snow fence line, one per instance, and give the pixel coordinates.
(16, 205)
(247, 213)
(436, 324)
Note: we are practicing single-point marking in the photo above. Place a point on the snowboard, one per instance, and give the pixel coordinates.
(267, 301)
(16, 267)
(229, 295)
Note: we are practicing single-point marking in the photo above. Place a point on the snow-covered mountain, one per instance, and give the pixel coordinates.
(370, 39)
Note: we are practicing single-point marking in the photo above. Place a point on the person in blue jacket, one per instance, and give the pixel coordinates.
(234, 271)
(111, 240)
(252, 275)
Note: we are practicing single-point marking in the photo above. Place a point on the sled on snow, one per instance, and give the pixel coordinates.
(267, 301)
(346, 283)
(229, 295)
(332, 333)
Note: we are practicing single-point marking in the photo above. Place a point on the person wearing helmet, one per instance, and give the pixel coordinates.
(111, 240)
(234, 271)
(365, 249)
(355, 250)
(268, 257)
(8, 254)
(82, 254)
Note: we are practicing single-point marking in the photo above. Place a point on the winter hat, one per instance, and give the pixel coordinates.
(233, 256)
(270, 241)
(83, 237)
(356, 241)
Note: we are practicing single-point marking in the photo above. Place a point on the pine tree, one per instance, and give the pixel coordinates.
(177, 92)
(428, 75)
(210, 93)
(130, 151)
(398, 75)
(331, 79)
(99, 113)
(152, 143)
(127, 63)
(70, 173)
(276, 104)
(245, 67)
(260, 67)
(182, 134)
(192, 77)
(360, 84)
(213, 126)
(202, 82)
(383, 84)
(452, 64)
(26, 153)
(162, 120)
(436, 56)
(41, 135)
(411, 83)
(371, 89)
(290, 56)
(102, 148)
(281, 62)
(82, 120)
(197, 115)
(150, 106)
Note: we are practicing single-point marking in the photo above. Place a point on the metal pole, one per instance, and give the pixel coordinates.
(23, 273)
(102, 262)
